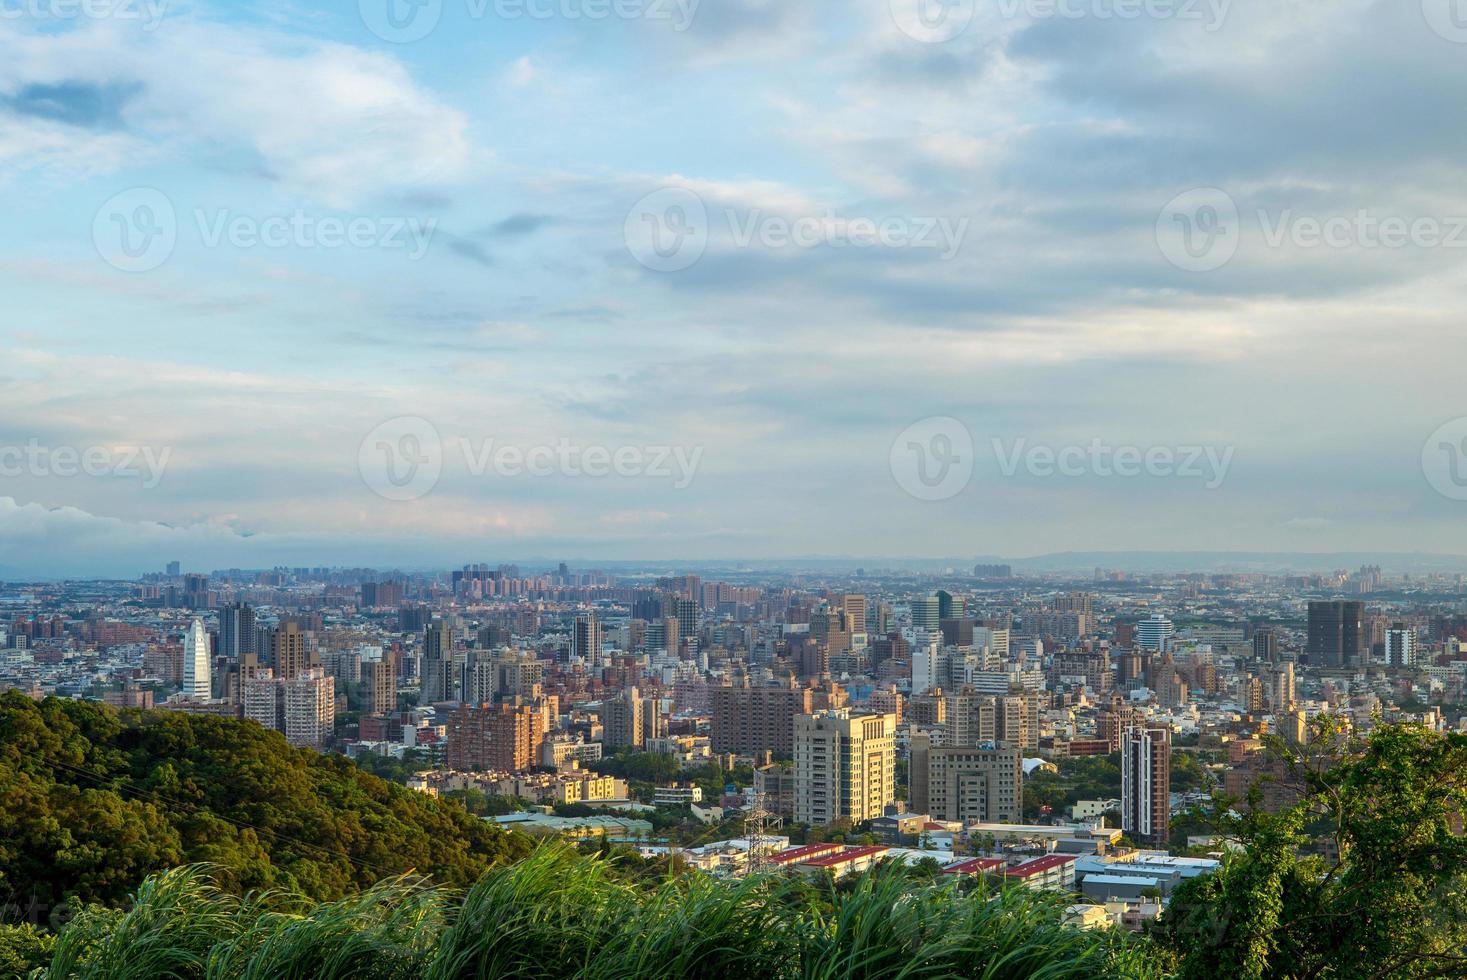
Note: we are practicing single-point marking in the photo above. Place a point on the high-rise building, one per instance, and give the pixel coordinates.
(622, 720)
(286, 652)
(499, 737)
(950, 606)
(586, 641)
(844, 766)
(979, 783)
(687, 619)
(1146, 782)
(1082, 603)
(1400, 646)
(927, 613)
(1113, 720)
(747, 720)
(1336, 633)
(308, 708)
(1155, 632)
(303, 707)
(1282, 695)
(260, 699)
(379, 685)
(436, 667)
(1266, 645)
(237, 631)
(196, 662)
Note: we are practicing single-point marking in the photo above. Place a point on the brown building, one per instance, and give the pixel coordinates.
(755, 719)
(379, 685)
(498, 737)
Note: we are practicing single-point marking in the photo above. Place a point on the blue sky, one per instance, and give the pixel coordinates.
(1033, 167)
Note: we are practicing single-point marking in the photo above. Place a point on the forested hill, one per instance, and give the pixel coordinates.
(93, 799)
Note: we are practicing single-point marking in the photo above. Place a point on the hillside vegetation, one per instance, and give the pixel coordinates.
(93, 799)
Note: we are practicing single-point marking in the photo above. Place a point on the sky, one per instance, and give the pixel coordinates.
(435, 281)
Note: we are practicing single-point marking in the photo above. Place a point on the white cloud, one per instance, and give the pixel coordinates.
(323, 119)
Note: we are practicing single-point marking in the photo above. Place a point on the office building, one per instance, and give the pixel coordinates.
(980, 783)
(844, 766)
(1336, 634)
(927, 613)
(196, 662)
(1155, 633)
(1266, 645)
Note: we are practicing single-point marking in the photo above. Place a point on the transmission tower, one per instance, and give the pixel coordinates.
(758, 824)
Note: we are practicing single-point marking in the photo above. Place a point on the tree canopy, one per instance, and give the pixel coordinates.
(1384, 897)
(93, 799)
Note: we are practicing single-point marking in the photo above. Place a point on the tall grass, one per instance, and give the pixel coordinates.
(559, 915)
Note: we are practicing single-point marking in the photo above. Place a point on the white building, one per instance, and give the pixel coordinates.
(1155, 633)
(196, 662)
(1400, 646)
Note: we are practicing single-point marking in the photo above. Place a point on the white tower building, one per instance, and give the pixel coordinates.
(196, 662)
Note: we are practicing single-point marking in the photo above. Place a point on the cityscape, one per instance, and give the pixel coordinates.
(1071, 735)
(733, 490)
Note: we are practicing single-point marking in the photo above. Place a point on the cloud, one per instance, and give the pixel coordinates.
(320, 118)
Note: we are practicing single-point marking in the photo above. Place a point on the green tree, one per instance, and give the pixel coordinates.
(1393, 904)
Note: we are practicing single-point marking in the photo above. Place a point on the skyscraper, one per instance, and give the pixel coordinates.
(236, 630)
(1266, 644)
(196, 662)
(308, 708)
(436, 667)
(688, 616)
(1146, 752)
(286, 651)
(949, 606)
(1336, 633)
(586, 640)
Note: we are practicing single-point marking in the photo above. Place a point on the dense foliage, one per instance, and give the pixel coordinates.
(1394, 904)
(93, 799)
(562, 915)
